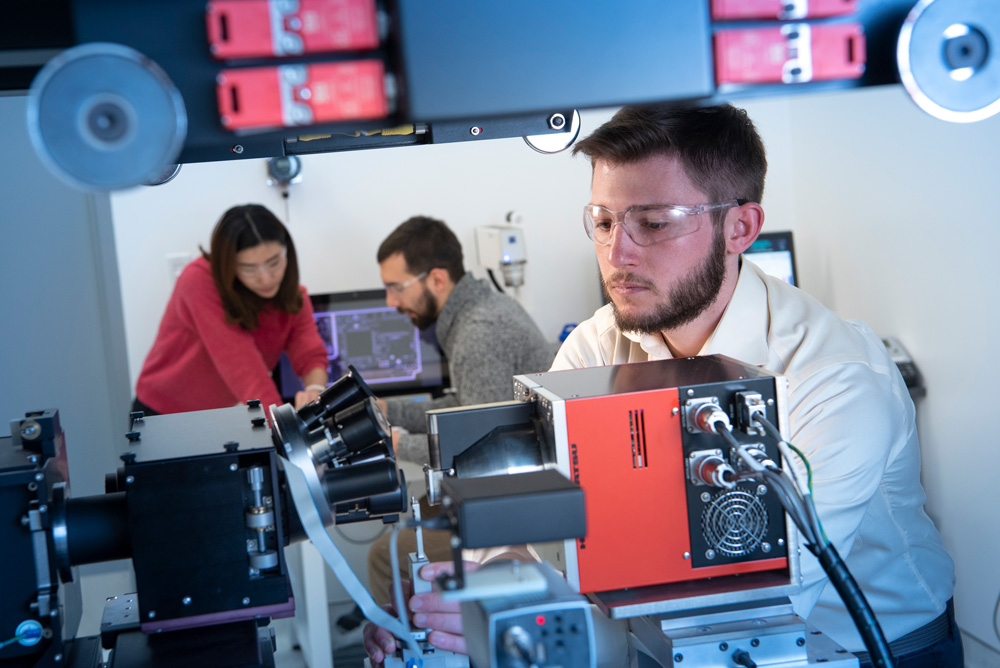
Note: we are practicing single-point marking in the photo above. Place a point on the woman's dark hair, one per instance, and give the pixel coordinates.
(426, 243)
(240, 228)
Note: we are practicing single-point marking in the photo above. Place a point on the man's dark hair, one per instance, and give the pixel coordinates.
(426, 243)
(718, 146)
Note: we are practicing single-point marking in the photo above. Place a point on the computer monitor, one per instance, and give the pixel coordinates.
(392, 355)
(773, 252)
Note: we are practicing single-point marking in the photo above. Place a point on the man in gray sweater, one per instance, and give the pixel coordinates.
(486, 336)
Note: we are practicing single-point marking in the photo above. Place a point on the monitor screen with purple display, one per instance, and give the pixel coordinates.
(392, 355)
(773, 252)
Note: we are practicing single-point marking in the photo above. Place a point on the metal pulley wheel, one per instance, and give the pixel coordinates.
(103, 117)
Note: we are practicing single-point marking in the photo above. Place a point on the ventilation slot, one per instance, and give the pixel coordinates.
(637, 432)
(224, 27)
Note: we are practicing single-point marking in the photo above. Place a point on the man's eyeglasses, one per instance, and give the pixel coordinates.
(272, 266)
(398, 288)
(648, 224)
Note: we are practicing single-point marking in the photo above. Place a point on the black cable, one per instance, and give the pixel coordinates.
(792, 503)
(489, 272)
(788, 496)
(857, 606)
(768, 427)
(439, 523)
(850, 593)
(809, 507)
(814, 533)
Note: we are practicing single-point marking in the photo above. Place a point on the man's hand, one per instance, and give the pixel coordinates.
(428, 611)
(305, 397)
(379, 643)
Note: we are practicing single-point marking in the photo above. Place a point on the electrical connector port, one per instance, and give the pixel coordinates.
(701, 416)
(751, 458)
(749, 405)
(709, 467)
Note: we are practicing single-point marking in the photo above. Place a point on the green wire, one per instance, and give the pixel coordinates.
(805, 461)
(809, 479)
(773, 431)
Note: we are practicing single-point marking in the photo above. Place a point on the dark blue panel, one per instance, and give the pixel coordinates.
(488, 58)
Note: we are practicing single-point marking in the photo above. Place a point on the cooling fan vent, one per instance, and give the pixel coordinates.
(734, 523)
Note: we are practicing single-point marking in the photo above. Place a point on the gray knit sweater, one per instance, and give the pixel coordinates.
(488, 338)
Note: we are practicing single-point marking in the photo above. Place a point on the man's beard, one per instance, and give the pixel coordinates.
(687, 300)
(425, 313)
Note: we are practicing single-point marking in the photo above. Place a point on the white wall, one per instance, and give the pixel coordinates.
(898, 225)
(347, 203)
(894, 219)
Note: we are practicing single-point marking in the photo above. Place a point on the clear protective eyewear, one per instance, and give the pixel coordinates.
(399, 288)
(272, 266)
(648, 224)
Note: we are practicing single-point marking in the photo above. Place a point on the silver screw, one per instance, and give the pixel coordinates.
(233, 467)
(781, 542)
(687, 555)
(770, 402)
(294, 74)
(186, 600)
(57, 658)
(675, 411)
(39, 477)
(152, 613)
(301, 114)
(557, 121)
(246, 600)
(455, 541)
(765, 547)
(710, 554)
(690, 392)
(129, 480)
(475, 130)
(761, 490)
(706, 497)
(237, 149)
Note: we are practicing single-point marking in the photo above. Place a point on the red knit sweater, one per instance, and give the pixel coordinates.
(200, 361)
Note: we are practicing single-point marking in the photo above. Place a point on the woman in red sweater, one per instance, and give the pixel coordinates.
(231, 315)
